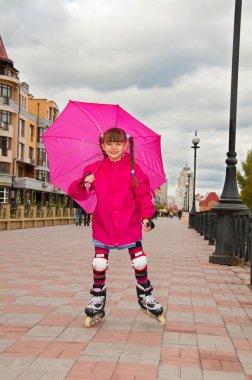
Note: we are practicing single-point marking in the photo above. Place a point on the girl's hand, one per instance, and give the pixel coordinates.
(89, 178)
(145, 227)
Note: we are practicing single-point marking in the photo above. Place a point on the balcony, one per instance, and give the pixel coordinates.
(33, 184)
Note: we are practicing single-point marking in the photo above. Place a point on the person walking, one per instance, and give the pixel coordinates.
(78, 214)
(86, 217)
(124, 207)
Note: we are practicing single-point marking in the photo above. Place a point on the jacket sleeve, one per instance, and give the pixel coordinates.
(143, 195)
(76, 189)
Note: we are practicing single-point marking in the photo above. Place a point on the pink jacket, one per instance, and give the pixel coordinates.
(121, 206)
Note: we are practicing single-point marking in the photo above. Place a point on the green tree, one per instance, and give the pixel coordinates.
(245, 180)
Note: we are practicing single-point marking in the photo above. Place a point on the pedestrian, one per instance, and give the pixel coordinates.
(124, 207)
(179, 214)
(86, 217)
(78, 214)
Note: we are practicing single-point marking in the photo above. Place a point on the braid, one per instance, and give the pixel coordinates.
(132, 162)
(100, 142)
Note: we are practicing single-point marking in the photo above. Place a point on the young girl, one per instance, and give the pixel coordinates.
(124, 207)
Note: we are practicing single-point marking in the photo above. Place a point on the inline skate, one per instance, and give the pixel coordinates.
(149, 304)
(95, 308)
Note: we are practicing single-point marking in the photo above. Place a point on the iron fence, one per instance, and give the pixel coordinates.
(205, 224)
(242, 235)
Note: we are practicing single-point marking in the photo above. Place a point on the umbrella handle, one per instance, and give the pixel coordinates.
(87, 186)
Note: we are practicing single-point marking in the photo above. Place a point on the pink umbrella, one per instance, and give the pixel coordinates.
(72, 143)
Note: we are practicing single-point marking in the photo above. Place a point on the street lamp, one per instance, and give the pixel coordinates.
(195, 146)
(189, 175)
(186, 198)
(230, 200)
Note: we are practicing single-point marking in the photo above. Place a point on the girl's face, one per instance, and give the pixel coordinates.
(114, 150)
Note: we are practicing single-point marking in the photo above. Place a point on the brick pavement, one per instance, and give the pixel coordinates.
(45, 276)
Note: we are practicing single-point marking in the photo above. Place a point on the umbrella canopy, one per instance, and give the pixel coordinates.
(72, 142)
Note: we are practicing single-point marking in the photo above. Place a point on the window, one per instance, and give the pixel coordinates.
(5, 145)
(50, 114)
(31, 132)
(31, 152)
(4, 195)
(41, 157)
(21, 128)
(4, 168)
(42, 175)
(23, 102)
(41, 131)
(20, 152)
(5, 91)
(5, 119)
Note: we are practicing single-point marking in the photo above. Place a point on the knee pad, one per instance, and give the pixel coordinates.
(100, 264)
(139, 263)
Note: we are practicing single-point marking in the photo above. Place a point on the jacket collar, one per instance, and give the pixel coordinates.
(118, 164)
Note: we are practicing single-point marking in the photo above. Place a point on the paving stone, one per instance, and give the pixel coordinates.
(219, 375)
(43, 293)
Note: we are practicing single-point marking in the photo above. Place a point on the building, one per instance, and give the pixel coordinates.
(207, 203)
(184, 191)
(171, 201)
(161, 195)
(180, 198)
(24, 173)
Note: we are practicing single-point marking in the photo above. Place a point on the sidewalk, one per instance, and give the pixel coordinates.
(45, 277)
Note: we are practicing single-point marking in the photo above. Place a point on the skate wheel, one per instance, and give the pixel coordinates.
(161, 320)
(88, 322)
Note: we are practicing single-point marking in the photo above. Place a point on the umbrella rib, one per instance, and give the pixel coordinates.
(70, 138)
(142, 164)
(144, 137)
(82, 162)
(91, 117)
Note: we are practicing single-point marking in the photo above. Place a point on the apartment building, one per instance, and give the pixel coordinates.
(184, 190)
(161, 195)
(24, 172)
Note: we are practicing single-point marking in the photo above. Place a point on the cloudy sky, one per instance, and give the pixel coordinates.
(168, 62)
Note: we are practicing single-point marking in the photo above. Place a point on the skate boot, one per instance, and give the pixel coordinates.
(148, 303)
(95, 308)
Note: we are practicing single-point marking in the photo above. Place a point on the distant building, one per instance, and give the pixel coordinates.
(161, 195)
(180, 197)
(170, 201)
(184, 191)
(207, 203)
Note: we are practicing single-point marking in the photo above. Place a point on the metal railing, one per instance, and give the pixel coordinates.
(205, 224)
(242, 235)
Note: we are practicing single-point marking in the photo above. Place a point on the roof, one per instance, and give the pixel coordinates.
(3, 54)
(211, 197)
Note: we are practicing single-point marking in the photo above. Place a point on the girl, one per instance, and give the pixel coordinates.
(124, 207)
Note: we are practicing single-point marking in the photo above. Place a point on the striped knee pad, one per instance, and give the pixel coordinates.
(139, 263)
(100, 265)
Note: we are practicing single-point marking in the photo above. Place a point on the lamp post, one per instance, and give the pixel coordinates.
(186, 198)
(189, 184)
(195, 146)
(230, 200)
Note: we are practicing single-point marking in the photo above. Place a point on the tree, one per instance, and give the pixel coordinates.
(245, 180)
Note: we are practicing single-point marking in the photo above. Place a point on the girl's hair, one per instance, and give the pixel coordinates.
(118, 135)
